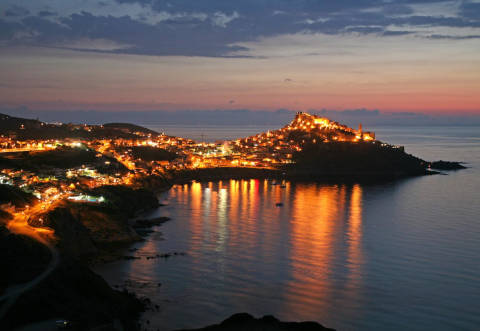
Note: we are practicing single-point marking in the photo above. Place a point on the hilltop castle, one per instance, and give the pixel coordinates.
(324, 127)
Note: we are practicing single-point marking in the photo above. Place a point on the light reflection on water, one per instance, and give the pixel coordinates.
(253, 235)
(351, 256)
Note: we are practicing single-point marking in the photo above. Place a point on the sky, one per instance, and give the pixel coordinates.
(140, 55)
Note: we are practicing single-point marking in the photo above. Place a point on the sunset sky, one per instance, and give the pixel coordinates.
(406, 55)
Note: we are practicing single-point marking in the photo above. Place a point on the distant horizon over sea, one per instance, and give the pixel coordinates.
(246, 117)
(382, 256)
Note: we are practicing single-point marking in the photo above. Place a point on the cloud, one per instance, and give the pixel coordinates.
(15, 11)
(387, 33)
(448, 37)
(397, 9)
(221, 19)
(100, 45)
(470, 10)
(46, 13)
(216, 28)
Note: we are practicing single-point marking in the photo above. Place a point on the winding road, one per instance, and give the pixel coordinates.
(19, 225)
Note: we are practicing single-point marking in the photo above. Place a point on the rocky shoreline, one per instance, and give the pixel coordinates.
(447, 165)
(86, 234)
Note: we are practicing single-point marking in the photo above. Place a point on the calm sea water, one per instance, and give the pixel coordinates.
(393, 256)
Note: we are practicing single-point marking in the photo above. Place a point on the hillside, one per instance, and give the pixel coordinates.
(130, 128)
(28, 129)
(359, 160)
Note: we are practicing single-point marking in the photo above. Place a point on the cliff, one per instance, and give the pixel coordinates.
(71, 291)
(85, 230)
(21, 257)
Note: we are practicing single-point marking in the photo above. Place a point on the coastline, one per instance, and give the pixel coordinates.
(238, 173)
(112, 247)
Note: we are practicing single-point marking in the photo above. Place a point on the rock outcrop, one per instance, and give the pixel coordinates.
(447, 165)
(246, 322)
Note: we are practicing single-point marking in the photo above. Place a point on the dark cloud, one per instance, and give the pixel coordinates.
(15, 11)
(387, 33)
(441, 36)
(9, 29)
(470, 10)
(397, 9)
(365, 29)
(215, 27)
(46, 13)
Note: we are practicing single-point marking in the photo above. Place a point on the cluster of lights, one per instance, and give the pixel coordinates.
(268, 150)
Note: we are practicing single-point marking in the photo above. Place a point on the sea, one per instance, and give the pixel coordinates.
(398, 255)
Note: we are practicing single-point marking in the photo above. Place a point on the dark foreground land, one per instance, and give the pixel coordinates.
(85, 234)
(72, 291)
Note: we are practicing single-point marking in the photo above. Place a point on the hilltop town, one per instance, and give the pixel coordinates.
(71, 160)
(113, 154)
(73, 163)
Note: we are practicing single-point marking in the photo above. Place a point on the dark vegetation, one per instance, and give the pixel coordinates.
(244, 321)
(60, 158)
(148, 153)
(63, 157)
(85, 232)
(155, 183)
(22, 258)
(72, 291)
(10, 123)
(127, 127)
(15, 196)
(124, 199)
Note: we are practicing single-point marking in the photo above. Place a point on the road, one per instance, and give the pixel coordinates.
(44, 236)
(25, 149)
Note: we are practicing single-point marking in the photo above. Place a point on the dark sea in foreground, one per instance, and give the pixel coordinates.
(402, 255)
